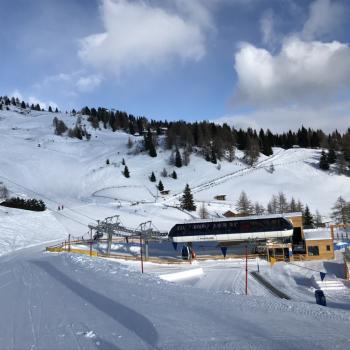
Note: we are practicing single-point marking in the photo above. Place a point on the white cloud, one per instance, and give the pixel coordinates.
(88, 83)
(277, 119)
(141, 35)
(16, 94)
(267, 27)
(300, 72)
(325, 15)
(32, 100)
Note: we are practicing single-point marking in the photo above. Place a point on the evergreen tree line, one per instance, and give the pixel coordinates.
(213, 140)
(14, 101)
(27, 204)
(278, 204)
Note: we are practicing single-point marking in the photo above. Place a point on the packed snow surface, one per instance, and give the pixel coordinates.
(61, 301)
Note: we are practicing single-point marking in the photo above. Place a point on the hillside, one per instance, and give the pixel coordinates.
(71, 172)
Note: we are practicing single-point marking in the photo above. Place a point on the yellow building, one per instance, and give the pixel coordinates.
(314, 244)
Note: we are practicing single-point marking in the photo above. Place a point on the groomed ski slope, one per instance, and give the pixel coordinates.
(59, 301)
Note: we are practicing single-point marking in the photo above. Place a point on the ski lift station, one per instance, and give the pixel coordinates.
(277, 237)
(280, 236)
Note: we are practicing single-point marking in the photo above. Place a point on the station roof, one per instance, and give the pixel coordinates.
(237, 218)
(317, 235)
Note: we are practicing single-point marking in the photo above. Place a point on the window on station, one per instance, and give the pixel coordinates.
(328, 248)
(313, 250)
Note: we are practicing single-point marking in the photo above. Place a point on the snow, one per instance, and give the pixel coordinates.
(64, 301)
(172, 277)
(22, 228)
(317, 234)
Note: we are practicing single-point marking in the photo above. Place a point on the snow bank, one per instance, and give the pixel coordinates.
(22, 228)
(172, 277)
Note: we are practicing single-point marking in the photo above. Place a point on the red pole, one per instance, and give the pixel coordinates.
(90, 242)
(141, 254)
(246, 270)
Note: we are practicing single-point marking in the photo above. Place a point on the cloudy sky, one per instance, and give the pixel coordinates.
(264, 63)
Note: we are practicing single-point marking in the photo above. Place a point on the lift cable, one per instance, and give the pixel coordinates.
(50, 200)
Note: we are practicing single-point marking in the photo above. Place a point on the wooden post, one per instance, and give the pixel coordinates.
(69, 242)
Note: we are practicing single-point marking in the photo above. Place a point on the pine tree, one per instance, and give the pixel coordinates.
(174, 175)
(203, 212)
(331, 156)
(293, 206)
(153, 177)
(50, 109)
(123, 161)
(341, 164)
(187, 202)
(308, 219)
(213, 156)
(23, 105)
(130, 143)
(324, 165)
(160, 186)
(318, 219)
(107, 161)
(152, 150)
(126, 172)
(164, 173)
(273, 205)
(258, 209)
(186, 156)
(341, 211)
(282, 203)
(243, 205)
(251, 154)
(178, 159)
(300, 206)
(231, 154)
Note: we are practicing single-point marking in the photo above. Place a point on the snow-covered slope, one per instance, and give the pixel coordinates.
(62, 170)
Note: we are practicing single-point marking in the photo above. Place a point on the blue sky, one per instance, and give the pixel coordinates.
(260, 63)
